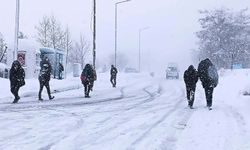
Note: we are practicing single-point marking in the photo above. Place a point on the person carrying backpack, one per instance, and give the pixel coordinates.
(113, 73)
(209, 78)
(44, 78)
(16, 77)
(87, 77)
(190, 78)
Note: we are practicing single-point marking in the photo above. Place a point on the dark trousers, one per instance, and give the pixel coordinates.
(209, 95)
(113, 80)
(190, 94)
(42, 84)
(60, 75)
(87, 87)
(14, 90)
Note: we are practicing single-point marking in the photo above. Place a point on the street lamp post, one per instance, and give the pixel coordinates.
(94, 34)
(139, 60)
(116, 5)
(16, 29)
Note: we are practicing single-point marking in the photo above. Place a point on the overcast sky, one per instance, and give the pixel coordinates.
(169, 38)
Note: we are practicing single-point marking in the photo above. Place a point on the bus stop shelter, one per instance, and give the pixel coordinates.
(55, 56)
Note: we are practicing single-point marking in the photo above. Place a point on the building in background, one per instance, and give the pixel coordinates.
(28, 55)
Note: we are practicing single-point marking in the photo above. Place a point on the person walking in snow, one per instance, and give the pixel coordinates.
(113, 73)
(16, 77)
(190, 78)
(209, 78)
(87, 77)
(60, 70)
(44, 78)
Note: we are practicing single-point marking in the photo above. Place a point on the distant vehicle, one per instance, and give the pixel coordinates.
(130, 70)
(172, 71)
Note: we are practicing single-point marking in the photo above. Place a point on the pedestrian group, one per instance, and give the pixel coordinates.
(208, 76)
(206, 72)
(88, 76)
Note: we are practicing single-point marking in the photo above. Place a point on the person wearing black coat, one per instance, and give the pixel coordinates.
(16, 77)
(190, 78)
(209, 78)
(87, 78)
(44, 78)
(60, 70)
(113, 73)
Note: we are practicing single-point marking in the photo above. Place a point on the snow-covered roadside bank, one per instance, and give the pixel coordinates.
(31, 87)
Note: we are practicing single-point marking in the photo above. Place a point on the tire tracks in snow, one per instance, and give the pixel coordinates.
(122, 96)
(150, 97)
(175, 127)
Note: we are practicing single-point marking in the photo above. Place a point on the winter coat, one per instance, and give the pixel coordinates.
(61, 68)
(113, 71)
(94, 73)
(87, 74)
(17, 75)
(45, 71)
(207, 74)
(190, 77)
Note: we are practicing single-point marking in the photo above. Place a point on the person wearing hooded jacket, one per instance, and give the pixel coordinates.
(16, 77)
(190, 78)
(87, 77)
(113, 74)
(209, 78)
(44, 78)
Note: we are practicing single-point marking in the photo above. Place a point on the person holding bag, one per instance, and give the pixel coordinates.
(16, 77)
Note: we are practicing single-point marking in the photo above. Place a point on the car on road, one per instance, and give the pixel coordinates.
(172, 71)
(130, 70)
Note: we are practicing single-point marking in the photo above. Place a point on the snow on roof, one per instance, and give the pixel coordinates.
(26, 45)
(51, 50)
(172, 64)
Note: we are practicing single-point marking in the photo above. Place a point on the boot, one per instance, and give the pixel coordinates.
(40, 97)
(87, 95)
(51, 97)
(15, 101)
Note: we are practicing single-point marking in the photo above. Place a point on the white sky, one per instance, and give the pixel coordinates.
(170, 36)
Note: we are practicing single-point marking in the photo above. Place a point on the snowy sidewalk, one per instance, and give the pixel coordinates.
(31, 87)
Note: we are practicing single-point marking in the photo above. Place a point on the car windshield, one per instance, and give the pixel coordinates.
(172, 68)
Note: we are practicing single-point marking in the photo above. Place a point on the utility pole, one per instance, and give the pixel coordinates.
(94, 34)
(16, 29)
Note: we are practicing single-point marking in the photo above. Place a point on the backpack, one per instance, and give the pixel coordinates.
(213, 75)
(83, 77)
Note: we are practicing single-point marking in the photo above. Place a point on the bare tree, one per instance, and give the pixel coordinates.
(79, 52)
(50, 33)
(2, 47)
(68, 47)
(43, 30)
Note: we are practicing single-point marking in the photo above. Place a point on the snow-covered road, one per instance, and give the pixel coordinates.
(142, 113)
